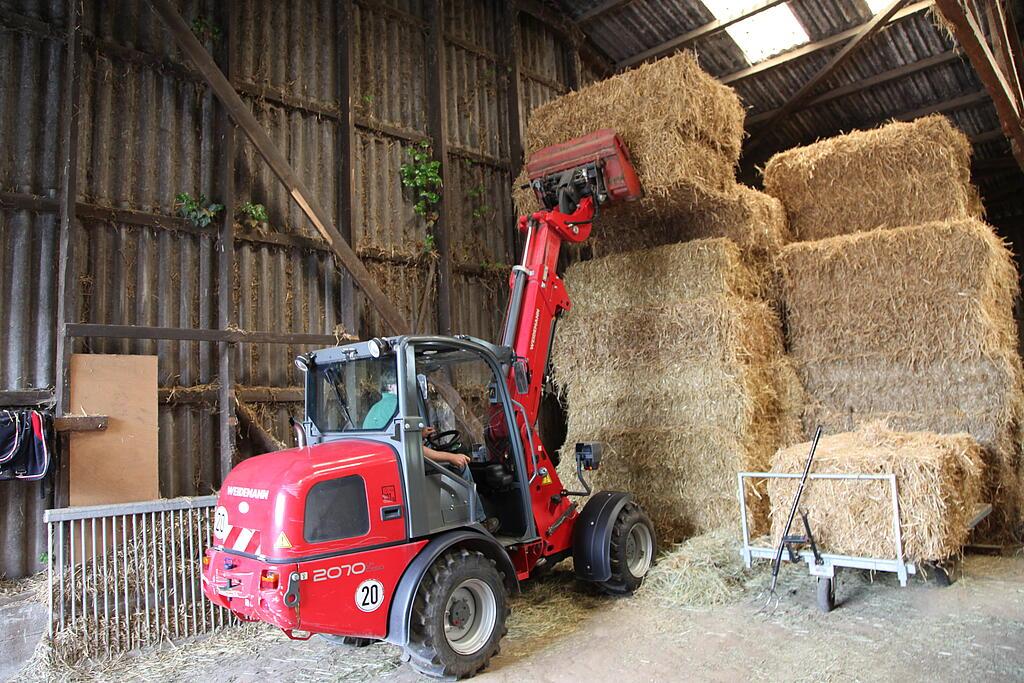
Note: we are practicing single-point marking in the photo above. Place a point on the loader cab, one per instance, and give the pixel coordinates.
(447, 393)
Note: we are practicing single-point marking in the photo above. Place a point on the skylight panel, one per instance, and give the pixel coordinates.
(764, 34)
(877, 6)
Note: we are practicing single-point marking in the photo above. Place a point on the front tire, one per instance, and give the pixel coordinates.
(634, 546)
(458, 616)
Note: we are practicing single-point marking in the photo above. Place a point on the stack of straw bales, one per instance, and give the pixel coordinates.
(939, 483)
(899, 174)
(908, 317)
(669, 360)
(684, 131)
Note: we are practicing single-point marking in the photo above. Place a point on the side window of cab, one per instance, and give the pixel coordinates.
(336, 509)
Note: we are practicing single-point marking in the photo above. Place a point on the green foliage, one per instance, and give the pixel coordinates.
(483, 210)
(367, 99)
(429, 244)
(205, 30)
(44, 557)
(251, 215)
(196, 210)
(423, 175)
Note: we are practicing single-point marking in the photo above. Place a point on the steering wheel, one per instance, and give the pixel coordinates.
(448, 441)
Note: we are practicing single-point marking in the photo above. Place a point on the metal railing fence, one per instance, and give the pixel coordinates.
(128, 575)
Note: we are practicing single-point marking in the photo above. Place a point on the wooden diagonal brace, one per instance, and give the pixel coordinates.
(972, 41)
(278, 163)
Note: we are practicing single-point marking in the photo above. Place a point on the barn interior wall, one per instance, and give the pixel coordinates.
(148, 131)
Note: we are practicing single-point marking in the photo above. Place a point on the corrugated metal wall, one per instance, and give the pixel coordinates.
(148, 131)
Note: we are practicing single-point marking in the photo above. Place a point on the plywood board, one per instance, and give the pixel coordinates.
(118, 465)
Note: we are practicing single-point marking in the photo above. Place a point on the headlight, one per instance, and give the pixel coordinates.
(377, 347)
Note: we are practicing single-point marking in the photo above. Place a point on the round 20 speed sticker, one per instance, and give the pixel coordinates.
(369, 595)
(221, 528)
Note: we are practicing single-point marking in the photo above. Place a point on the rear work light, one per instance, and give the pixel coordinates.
(268, 580)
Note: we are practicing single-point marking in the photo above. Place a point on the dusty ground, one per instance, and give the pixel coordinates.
(973, 630)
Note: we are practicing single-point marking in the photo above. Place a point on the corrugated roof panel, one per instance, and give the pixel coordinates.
(823, 18)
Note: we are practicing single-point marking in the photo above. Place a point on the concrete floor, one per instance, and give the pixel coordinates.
(973, 630)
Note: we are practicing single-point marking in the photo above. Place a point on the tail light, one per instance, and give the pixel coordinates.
(206, 561)
(268, 580)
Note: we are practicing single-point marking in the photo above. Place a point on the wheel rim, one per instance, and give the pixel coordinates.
(469, 616)
(639, 550)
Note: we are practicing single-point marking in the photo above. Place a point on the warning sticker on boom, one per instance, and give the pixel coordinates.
(370, 595)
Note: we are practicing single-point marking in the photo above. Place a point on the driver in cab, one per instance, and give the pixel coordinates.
(381, 412)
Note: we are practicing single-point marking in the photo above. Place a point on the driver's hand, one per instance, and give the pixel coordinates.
(428, 432)
(458, 459)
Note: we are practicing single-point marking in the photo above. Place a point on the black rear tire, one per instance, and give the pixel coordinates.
(433, 648)
(632, 526)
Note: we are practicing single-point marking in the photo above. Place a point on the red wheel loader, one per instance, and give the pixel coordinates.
(356, 535)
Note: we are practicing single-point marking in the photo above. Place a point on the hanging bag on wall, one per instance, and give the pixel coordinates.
(26, 444)
(12, 434)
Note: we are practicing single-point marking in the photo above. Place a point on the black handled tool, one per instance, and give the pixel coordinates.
(771, 600)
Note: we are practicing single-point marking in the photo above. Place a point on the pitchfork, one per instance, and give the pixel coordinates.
(769, 598)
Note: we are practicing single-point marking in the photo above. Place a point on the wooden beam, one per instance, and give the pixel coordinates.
(988, 136)
(860, 85)
(80, 423)
(209, 394)
(18, 398)
(346, 149)
(1013, 45)
(710, 28)
(278, 163)
(437, 124)
(226, 353)
(264, 441)
(865, 33)
(67, 280)
(513, 103)
(601, 10)
(994, 165)
(946, 106)
(100, 331)
(818, 45)
(972, 41)
(1004, 54)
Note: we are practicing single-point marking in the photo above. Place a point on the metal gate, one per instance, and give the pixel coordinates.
(128, 575)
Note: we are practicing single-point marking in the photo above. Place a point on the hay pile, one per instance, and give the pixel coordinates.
(899, 174)
(939, 482)
(913, 325)
(703, 571)
(684, 131)
(669, 360)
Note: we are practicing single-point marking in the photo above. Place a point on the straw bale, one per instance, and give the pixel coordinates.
(941, 290)
(984, 387)
(939, 482)
(669, 273)
(655, 108)
(683, 476)
(899, 174)
(687, 141)
(755, 221)
(666, 338)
